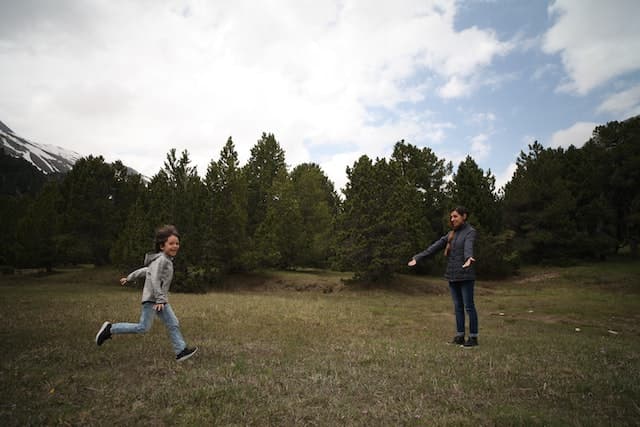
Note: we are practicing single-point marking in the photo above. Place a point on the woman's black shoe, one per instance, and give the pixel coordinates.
(457, 340)
(471, 342)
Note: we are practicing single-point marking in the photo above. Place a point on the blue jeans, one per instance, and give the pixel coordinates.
(462, 295)
(146, 320)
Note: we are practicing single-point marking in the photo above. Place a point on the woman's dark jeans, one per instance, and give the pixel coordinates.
(462, 295)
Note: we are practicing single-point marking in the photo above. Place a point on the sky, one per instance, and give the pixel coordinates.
(332, 80)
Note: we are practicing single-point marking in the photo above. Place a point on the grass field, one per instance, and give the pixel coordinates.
(557, 347)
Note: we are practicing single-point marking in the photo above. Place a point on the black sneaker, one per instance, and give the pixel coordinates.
(471, 342)
(104, 333)
(186, 353)
(457, 340)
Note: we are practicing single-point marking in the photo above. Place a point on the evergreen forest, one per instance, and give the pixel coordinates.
(562, 206)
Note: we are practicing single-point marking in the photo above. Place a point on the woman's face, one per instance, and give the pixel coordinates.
(456, 219)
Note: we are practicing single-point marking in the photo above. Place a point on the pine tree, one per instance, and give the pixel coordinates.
(494, 249)
(540, 207)
(475, 190)
(178, 195)
(424, 175)
(89, 223)
(279, 236)
(135, 239)
(318, 203)
(266, 162)
(12, 209)
(586, 172)
(38, 230)
(374, 227)
(226, 243)
(621, 143)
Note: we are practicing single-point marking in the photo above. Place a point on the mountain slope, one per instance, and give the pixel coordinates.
(47, 158)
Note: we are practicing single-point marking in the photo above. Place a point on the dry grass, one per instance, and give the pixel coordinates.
(272, 355)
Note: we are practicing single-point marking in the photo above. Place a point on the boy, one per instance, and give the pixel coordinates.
(158, 273)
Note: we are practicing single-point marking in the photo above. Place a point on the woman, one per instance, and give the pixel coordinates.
(458, 248)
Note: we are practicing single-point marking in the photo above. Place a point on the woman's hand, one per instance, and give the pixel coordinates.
(470, 261)
(411, 263)
(123, 281)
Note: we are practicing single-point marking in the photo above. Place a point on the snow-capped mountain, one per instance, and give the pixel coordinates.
(47, 158)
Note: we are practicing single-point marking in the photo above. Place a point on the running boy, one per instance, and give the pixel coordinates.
(158, 273)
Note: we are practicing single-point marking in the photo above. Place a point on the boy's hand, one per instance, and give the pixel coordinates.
(411, 263)
(158, 307)
(470, 261)
(123, 281)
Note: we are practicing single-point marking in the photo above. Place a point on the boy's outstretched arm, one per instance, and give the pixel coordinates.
(137, 274)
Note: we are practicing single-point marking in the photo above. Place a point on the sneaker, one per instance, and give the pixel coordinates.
(104, 333)
(186, 353)
(471, 342)
(457, 340)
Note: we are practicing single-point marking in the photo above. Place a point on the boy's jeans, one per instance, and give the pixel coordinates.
(462, 295)
(146, 320)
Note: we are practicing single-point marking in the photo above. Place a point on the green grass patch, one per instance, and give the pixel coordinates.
(557, 347)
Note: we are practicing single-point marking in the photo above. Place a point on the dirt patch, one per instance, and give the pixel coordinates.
(284, 282)
(327, 283)
(542, 318)
(540, 277)
(313, 284)
(612, 327)
(406, 284)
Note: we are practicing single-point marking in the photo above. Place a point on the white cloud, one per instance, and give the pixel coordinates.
(623, 104)
(597, 40)
(483, 118)
(455, 88)
(505, 176)
(575, 135)
(335, 167)
(131, 80)
(480, 149)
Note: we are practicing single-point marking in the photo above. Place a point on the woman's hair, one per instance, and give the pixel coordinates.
(461, 210)
(162, 235)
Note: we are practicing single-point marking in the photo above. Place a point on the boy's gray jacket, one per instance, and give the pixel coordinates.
(158, 273)
(461, 250)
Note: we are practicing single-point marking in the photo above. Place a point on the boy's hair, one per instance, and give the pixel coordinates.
(162, 235)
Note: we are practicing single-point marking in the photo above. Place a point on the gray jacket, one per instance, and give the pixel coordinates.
(158, 273)
(461, 250)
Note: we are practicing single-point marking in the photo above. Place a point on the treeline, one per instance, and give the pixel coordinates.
(560, 206)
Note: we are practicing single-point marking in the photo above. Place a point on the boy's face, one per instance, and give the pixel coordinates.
(171, 246)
